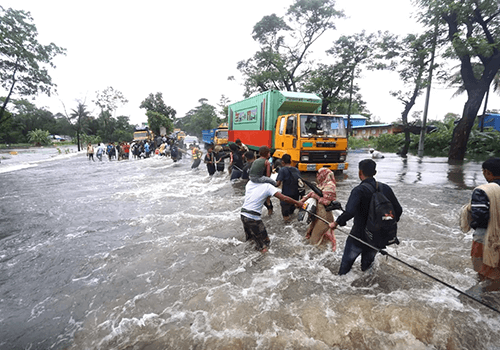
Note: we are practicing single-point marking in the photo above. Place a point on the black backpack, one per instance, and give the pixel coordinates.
(381, 226)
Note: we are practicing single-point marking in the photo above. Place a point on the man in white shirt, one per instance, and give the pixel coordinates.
(251, 211)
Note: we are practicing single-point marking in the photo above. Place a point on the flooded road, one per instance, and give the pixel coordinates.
(148, 254)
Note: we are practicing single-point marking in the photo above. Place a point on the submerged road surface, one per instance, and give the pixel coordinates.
(148, 254)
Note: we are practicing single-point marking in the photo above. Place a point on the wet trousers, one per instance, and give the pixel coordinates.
(256, 231)
(352, 250)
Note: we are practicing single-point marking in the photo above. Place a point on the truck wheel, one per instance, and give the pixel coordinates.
(338, 172)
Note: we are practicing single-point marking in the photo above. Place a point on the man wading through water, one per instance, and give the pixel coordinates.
(357, 207)
(255, 196)
(484, 216)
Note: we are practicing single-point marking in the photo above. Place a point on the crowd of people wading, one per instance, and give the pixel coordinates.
(482, 213)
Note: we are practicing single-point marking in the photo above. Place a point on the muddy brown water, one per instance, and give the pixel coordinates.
(151, 255)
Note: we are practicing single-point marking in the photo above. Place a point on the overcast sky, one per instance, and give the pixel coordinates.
(188, 49)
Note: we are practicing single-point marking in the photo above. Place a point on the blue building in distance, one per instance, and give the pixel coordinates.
(492, 120)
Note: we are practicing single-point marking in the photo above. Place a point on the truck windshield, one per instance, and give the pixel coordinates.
(222, 134)
(322, 126)
(140, 134)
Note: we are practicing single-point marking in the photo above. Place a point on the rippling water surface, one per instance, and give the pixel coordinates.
(151, 255)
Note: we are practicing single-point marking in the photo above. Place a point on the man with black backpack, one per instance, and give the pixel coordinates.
(376, 211)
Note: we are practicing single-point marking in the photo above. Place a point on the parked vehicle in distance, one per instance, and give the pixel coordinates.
(217, 136)
(143, 134)
(189, 140)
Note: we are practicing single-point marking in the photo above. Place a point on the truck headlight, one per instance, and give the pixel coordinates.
(342, 158)
(304, 158)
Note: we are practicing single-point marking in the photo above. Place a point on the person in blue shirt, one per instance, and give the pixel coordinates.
(288, 178)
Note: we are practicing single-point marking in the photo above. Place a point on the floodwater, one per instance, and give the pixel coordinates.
(148, 254)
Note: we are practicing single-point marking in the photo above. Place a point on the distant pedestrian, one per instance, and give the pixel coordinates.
(126, 150)
(110, 150)
(210, 160)
(376, 154)
(195, 155)
(90, 152)
(100, 151)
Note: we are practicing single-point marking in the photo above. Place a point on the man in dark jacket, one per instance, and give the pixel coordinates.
(357, 207)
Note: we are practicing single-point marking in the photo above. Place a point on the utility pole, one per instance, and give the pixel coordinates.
(349, 128)
(423, 130)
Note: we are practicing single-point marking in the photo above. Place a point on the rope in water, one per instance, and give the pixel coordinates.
(383, 252)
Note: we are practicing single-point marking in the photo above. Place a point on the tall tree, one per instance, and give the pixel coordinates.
(78, 118)
(285, 42)
(473, 31)
(415, 56)
(23, 60)
(202, 117)
(332, 82)
(224, 108)
(158, 113)
(108, 100)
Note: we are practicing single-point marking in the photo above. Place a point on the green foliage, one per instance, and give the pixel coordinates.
(203, 117)
(472, 31)
(485, 143)
(157, 120)
(437, 143)
(282, 61)
(93, 139)
(23, 60)
(109, 99)
(335, 82)
(39, 137)
(158, 113)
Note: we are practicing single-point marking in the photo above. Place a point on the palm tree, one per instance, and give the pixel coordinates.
(79, 118)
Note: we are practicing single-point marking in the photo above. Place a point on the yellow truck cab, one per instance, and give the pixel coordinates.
(143, 134)
(290, 123)
(313, 141)
(221, 135)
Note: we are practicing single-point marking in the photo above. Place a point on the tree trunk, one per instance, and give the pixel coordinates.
(461, 133)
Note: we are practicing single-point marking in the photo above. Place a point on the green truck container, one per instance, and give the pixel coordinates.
(290, 123)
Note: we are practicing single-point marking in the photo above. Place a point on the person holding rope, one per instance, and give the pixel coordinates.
(317, 228)
(485, 214)
(236, 164)
(256, 195)
(357, 207)
(287, 178)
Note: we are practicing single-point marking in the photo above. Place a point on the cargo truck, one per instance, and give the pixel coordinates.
(290, 123)
(217, 136)
(143, 134)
